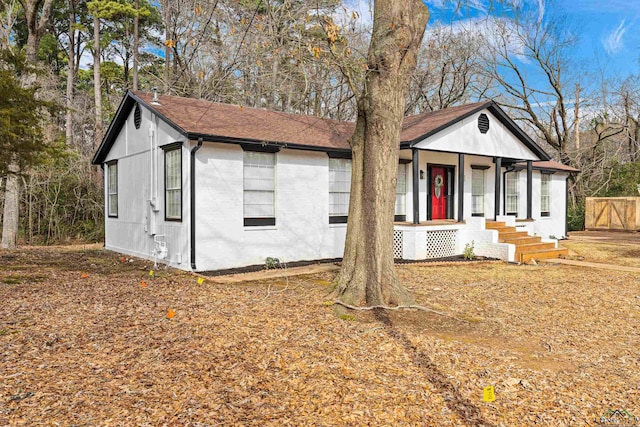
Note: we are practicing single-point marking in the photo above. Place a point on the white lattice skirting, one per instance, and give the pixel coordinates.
(441, 243)
(397, 244)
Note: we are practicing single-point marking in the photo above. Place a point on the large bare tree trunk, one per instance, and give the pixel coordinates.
(37, 18)
(368, 275)
(96, 81)
(10, 217)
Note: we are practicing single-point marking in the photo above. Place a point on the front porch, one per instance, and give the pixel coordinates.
(504, 239)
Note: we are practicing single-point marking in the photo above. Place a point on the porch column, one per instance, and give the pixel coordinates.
(460, 187)
(416, 185)
(529, 188)
(498, 162)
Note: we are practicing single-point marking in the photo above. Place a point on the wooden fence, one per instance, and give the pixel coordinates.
(612, 213)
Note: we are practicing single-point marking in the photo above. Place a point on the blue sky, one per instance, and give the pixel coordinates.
(608, 31)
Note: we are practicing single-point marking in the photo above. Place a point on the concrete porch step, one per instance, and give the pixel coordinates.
(542, 254)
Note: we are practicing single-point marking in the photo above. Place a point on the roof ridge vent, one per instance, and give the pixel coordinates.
(155, 100)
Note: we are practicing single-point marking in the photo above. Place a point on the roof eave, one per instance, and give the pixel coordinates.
(113, 130)
(164, 118)
(250, 141)
(127, 103)
(516, 130)
(410, 143)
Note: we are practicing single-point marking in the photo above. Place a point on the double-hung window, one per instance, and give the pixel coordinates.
(477, 191)
(511, 193)
(339, 188)
(401, 193)
(259, 188)
(545, 194)
(173, 183)
(112, 189)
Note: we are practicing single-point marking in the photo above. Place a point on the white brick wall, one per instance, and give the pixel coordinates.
(132, 232)
(302, 230)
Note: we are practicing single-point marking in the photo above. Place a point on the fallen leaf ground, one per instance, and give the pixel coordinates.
(82, 342)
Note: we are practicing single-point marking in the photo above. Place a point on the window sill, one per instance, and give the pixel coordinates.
(259, 227)
(338, 225)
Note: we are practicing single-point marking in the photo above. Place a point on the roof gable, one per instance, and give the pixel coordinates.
(464, 136)
(212, 121)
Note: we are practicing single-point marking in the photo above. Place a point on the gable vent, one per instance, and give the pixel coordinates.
(483, 123)
(137, 116)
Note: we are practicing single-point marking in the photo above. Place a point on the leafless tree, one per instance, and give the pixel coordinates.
(449, 71)
(530, 60)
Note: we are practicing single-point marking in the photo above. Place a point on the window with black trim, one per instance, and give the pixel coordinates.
(339, 188)
(545, 194)
(173, 184)
(477, 191)
(511, 193)
(259, 188)
(112, 189)
(401, 193)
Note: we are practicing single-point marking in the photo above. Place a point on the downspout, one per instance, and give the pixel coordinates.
(192, 169)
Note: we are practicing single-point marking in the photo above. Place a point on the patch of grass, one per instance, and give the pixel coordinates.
(15, 267)
(347, 317)
(15, 279)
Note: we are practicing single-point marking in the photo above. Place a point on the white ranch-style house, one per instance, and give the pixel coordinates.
(206, 186)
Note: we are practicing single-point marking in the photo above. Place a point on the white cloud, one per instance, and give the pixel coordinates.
(541, 10)
(496, 31)
(362, 8)
(614, 41)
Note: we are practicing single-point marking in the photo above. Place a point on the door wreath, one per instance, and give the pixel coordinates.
(438, 182)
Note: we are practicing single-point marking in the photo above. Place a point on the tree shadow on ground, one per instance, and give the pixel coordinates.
(454, 400)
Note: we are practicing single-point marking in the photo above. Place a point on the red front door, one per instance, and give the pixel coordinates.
(438, 193)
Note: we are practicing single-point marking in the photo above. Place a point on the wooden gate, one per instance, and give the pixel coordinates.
(612, 213)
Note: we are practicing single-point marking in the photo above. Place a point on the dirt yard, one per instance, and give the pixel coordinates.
(619, 248)
(85, 340)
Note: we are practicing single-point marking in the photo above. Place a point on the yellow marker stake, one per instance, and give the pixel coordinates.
(150, 273)
(488, 394)
(200, 280)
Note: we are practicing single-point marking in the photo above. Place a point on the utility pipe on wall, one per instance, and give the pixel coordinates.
(192, 209)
